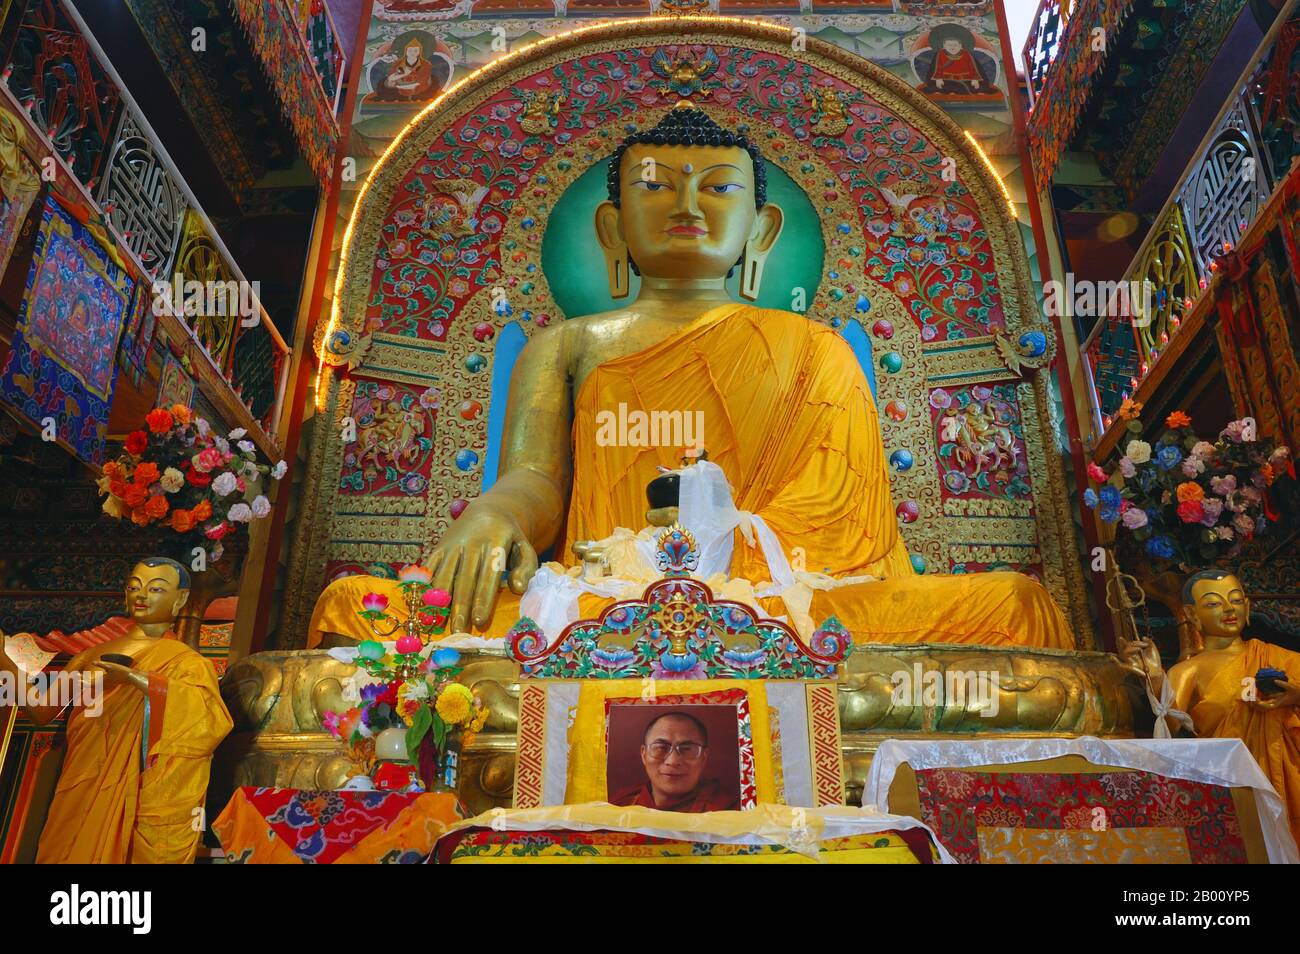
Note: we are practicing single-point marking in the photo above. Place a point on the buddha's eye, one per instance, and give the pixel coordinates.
(723, 188)
(650, 186)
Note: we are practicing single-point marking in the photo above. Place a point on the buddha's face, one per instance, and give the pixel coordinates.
(1220, 608)
(154, 594)
(686, 211)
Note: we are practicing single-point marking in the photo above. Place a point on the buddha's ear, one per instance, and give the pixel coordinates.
(609, 233)
(768, 223)
(609, 227)
(182, 597)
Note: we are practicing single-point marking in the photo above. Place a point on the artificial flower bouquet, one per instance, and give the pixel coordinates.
(412, 686)
(179, 472)
(1187, 500)
(412, 690)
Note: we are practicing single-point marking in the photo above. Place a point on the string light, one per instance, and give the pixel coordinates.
(1006, 193)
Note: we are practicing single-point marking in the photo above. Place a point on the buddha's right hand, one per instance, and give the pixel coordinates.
(469, 561)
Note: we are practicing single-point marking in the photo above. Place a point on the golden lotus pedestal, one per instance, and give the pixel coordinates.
(277, 699)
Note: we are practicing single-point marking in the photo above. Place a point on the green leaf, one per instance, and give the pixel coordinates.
(419, 728)
(439, 731)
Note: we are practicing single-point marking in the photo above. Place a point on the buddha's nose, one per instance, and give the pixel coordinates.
(687, 205)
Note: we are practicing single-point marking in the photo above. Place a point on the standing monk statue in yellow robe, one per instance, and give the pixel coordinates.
(136, 770)
(787, 414)
(1219, 687)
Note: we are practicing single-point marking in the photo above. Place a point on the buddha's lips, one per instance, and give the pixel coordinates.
(687, 230)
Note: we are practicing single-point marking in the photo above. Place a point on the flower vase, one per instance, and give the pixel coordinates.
(440, 769)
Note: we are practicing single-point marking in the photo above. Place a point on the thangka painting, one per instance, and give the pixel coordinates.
(137, 337)
(174, 385)
(476, 230)
(61, 363)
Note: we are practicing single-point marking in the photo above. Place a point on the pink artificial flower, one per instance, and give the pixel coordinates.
(1213, 508)
(1096, 473)
(217, 532)
(207, 460)
(1223, 486)
(409, 644)
(1127, 467)
(375, 602)
(1192, 466)
(1134, 518)
(437, 597)
(1243, 524)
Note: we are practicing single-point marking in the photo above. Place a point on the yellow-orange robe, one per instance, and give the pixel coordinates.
(130, 784)
(1273, 737)
(789, 417)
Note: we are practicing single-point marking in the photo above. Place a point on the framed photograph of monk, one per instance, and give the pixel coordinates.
(680, 754)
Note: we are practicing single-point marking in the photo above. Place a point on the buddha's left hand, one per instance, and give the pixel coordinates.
(115, 674)
(1289, 696)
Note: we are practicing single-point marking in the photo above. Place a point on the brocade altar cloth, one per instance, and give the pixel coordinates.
(295, 826)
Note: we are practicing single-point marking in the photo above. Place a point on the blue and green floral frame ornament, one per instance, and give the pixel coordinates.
(678, 630)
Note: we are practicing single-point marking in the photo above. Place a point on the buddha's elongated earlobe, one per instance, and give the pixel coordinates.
(751, 272)
(616, 271)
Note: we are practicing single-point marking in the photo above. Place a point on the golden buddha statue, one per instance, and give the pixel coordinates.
(141, 738)
(787, 410)
(1235, 688)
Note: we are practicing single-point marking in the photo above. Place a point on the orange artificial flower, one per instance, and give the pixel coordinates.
(135, 495)
(1129, 410)
(182, 414)
(159, 420)
(111, 469)
(1178, 419)
(182, 521)
(156, 507)
(139, 518)
(146, 473)
(1189, 490)
(202, 511)
(117, 488)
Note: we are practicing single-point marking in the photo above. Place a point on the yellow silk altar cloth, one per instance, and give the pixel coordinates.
(607, 834)
(132, 784)
(588, 781)
(1272, 737)
(789, 417)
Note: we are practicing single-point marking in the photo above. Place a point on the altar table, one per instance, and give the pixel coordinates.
(294, 826)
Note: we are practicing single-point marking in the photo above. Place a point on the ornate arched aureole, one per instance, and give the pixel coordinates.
(920, 255)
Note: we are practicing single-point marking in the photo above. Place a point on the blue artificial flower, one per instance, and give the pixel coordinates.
(1090, 497)
(1111, 498)
(1169, 457)
(1161, 546)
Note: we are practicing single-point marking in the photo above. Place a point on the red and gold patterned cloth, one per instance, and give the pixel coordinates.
(1126, 817)
(483, 845)
(294, 826)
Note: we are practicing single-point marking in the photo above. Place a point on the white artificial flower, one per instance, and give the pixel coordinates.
(261, 507)
(246, 447)
(221, 444)
(240, 513)
(278, 471)
(237, 433)
(172, 480)
(225, 484)
(1139, 452)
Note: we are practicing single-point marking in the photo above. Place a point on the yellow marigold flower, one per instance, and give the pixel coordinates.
(1190, 491)
(1129, 410)
(480, 719)
(453, 707)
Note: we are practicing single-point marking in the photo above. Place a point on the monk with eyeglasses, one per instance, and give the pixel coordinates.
(674, 754)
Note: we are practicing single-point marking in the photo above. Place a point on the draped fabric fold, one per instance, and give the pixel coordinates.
(1273, 737)
(129, 786)
(788, 416)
